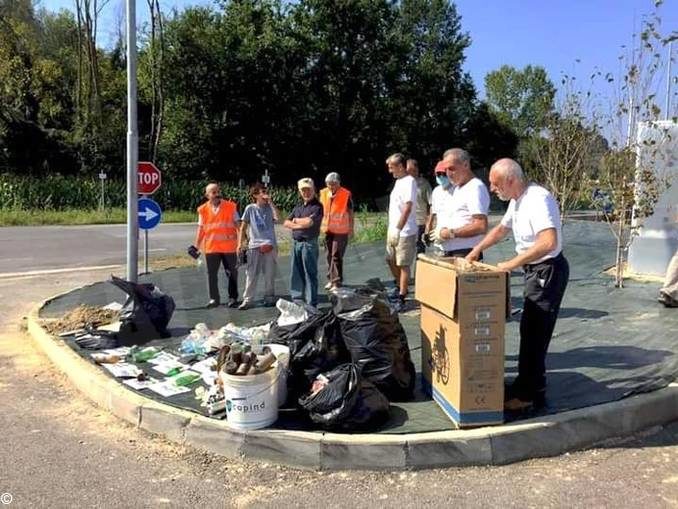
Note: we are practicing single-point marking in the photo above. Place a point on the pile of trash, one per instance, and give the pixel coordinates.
(339, 367)
(144, 316)
(346, 362)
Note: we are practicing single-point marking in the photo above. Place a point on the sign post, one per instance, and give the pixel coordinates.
(150, 179)
(102, 199)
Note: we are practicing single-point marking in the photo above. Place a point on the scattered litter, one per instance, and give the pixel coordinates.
(168, 388)
(137, 384)
(122, 370)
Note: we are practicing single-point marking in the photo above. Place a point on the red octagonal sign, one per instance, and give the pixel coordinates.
(149, 178)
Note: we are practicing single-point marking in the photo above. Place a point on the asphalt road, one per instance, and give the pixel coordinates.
(58, 450)
(53, 247)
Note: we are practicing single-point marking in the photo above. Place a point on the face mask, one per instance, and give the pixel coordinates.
(442, 180)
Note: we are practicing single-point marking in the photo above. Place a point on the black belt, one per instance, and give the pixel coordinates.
(529, 267)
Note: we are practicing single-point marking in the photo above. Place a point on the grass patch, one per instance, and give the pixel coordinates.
(36, 217)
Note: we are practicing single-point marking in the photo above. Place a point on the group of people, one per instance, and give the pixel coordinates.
(229, 240)
(453, 216)
(457, 224)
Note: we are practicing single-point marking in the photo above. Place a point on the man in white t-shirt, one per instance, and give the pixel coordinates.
(440, 198)
(462, 222)
(401, 240)
(534, 217)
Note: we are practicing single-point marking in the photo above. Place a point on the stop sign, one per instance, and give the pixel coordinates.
(149, 178)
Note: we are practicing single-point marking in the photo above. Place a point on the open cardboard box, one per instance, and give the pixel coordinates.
(463, 317)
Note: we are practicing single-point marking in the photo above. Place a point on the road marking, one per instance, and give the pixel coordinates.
(5, 275)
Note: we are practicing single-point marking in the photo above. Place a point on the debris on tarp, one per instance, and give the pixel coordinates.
(80, 318)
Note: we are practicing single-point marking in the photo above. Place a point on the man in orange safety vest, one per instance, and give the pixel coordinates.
(217, 237)
(337, 225)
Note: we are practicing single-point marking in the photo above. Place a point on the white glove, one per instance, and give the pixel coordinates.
(393, 237)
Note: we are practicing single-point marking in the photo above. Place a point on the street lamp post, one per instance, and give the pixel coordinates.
(132, 145)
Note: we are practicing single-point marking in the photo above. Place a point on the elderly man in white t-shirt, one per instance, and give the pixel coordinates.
(534, 217)
(401, 241)
(462, 221)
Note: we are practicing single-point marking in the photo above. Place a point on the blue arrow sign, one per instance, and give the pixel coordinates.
(149, 214)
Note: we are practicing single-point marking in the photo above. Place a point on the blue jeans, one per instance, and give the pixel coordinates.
(304, 274)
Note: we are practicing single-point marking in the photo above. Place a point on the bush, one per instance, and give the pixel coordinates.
(56, 192)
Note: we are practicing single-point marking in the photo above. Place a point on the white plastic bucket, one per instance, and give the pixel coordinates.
(252, 400)
(282, 363)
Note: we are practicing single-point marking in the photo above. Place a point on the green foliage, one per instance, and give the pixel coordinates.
(295, 88)
(56, 192)
(523, 99)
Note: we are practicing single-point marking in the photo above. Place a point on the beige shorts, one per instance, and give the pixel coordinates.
(403, 254)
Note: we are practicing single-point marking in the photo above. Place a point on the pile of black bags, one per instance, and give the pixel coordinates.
(349, 361)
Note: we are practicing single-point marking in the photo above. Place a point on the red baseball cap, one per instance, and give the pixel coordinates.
(441, 167)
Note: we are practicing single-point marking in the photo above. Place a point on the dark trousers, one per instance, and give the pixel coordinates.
(335, 247)
(545, 285)
(230, 262)
(421, 247)
(462, 252)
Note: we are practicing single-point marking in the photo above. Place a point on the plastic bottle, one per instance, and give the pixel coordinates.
(258, 338)
(142, 355)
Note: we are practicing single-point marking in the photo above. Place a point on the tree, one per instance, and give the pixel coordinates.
(522, 99)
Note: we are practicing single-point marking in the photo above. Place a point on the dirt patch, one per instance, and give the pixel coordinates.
(79, 318)
(642, 278)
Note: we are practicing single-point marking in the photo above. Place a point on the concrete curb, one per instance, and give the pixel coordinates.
(541, 437)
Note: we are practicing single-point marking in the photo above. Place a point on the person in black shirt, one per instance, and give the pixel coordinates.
(304, 221)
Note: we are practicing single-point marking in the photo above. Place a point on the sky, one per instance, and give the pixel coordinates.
(551, 33)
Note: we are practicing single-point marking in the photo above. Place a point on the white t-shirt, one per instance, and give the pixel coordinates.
(465, 201)
(440, 198)
(404, 190)
(534, 211)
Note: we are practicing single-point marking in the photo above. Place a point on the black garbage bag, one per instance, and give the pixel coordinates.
(298, 334)
(315, 346)
(93, 339)
(346, 402)
(145, 314)
(376, 341)
(322, 353)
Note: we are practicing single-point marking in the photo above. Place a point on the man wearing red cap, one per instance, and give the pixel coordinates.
(462, 222)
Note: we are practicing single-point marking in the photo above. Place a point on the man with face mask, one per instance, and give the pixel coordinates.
(534, 217)
(440, 198)
(463, 222)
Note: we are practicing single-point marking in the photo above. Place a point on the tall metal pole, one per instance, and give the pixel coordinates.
(132, 146)
(668, 83)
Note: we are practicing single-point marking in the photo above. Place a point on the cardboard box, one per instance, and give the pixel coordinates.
(441, 282)
(463, 317)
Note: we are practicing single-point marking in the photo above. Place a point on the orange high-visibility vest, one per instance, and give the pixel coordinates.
(336, 213)
(220, 232)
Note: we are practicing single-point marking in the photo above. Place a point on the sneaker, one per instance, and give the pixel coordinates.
(667, 300)
(329, 285)
(231, 303)
(212, 304)
(246, 304)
